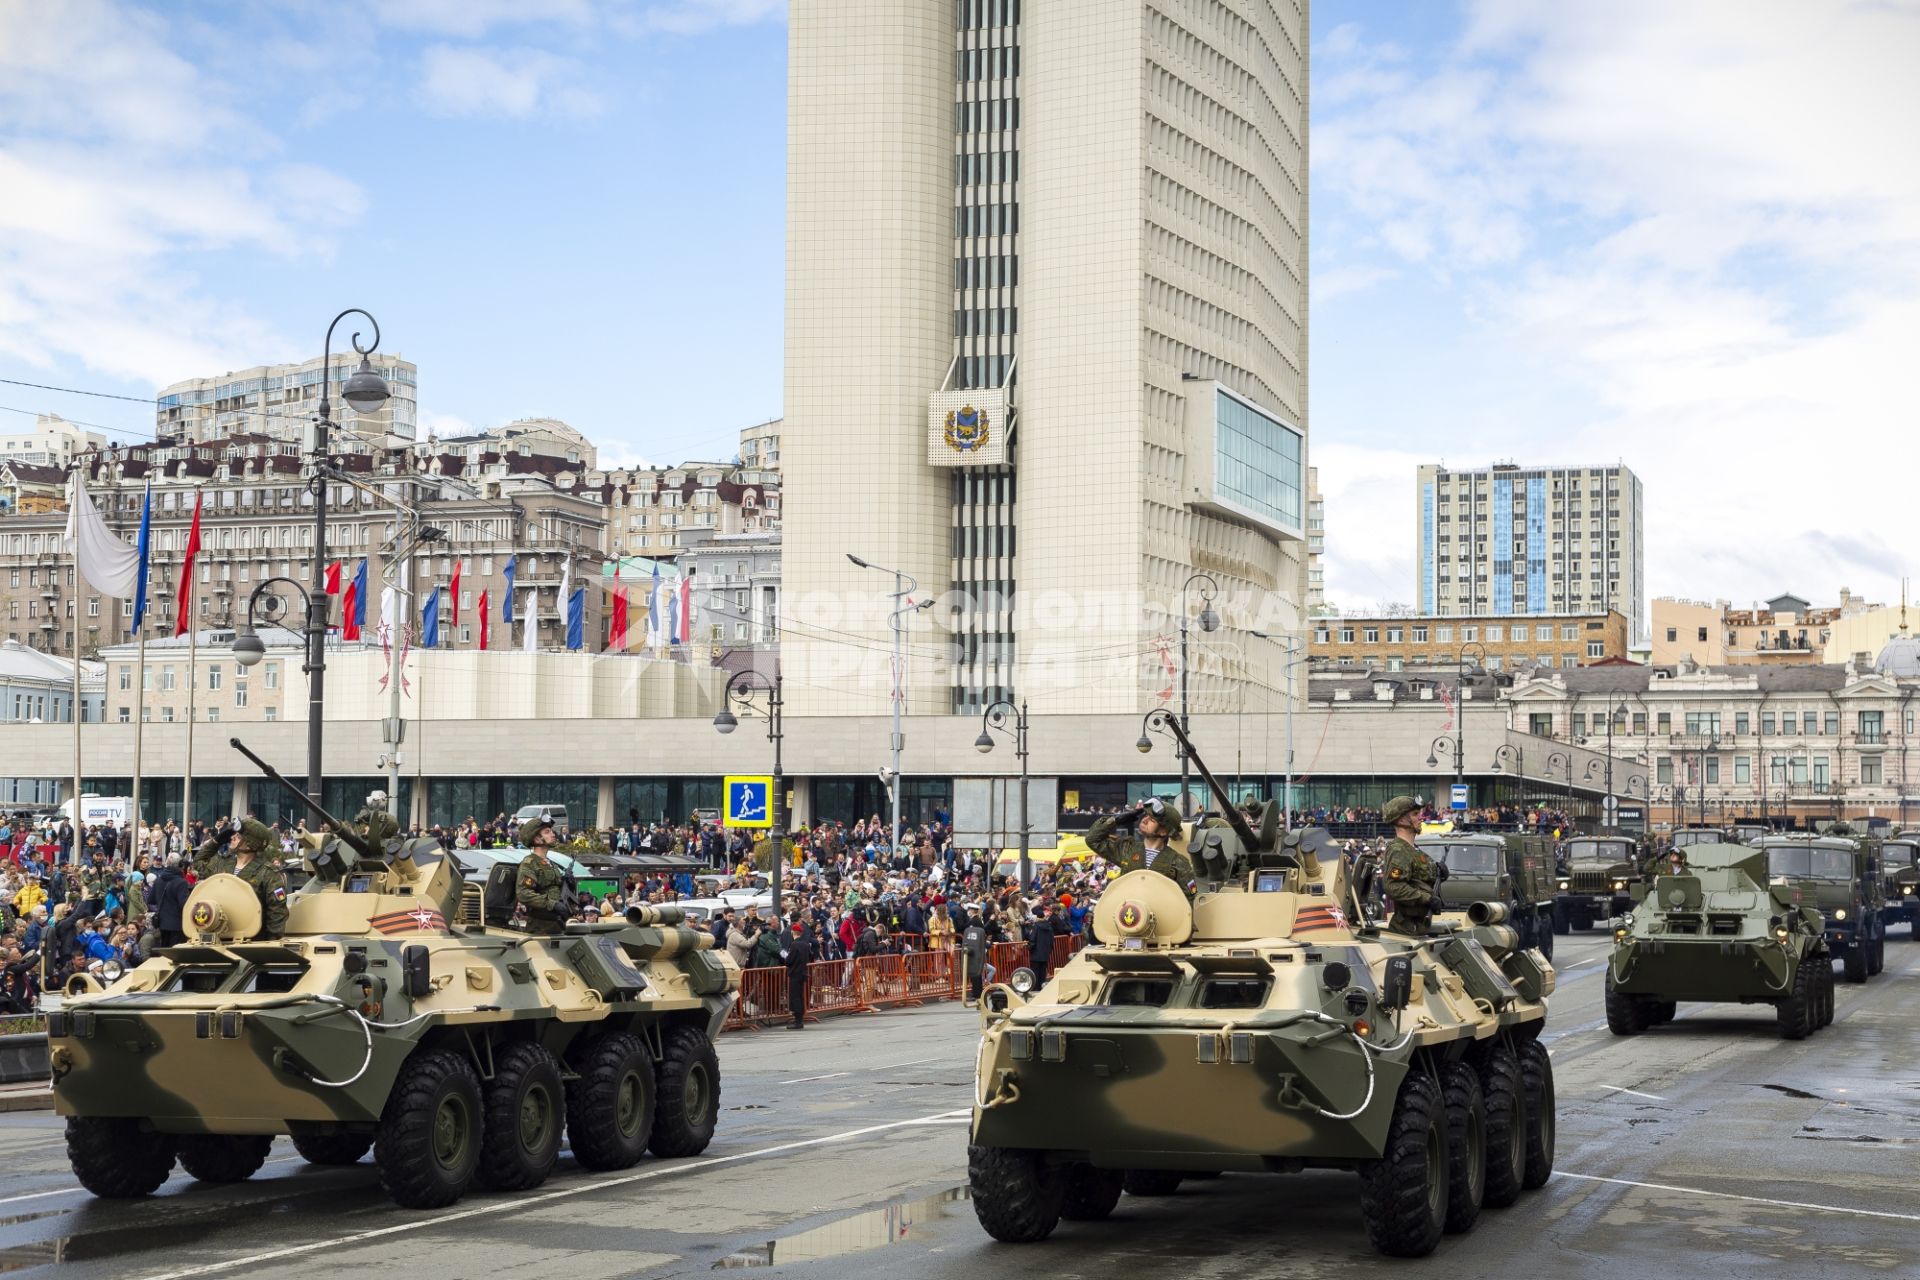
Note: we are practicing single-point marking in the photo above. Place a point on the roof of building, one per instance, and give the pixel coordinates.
(216, 640)
(31, 473)
(1807, 677)
(1901, 657)
(20, 662)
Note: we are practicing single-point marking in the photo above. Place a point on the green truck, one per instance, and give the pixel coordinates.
(1900, 882)
(1515, 870)
(1846, 879)
(1602, 877)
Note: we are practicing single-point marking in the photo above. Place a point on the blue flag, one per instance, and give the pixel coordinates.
(144, 547)
(430, 621)
(360, 594)
(653, 605)
(576, 619)
(506, 597)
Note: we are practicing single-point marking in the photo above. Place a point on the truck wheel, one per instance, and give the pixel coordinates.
(1403, 1194)
(1546, 939)
(1854, 961)
(428, 1143)
(343, 1147)
(1626, 1015)
(1795, 1012)
(1877, 951)
(114, 1158)
(1562, 921)
(524, 1104)
(1091, 1193)
(1017, 1195)
(1503, 1090)
(220, 1157)
(610, 1107)
(1466, 1145)
(1661, 1012)
(1536, 1071)
(688, 1099)
(1152, 1182)
(1827, 989)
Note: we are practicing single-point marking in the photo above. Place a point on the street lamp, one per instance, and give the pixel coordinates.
(995, 718)
(1209, 622)
(268, 607)
(1519, 765)
(1292, 662)
(741, 691)
(904, 586)
(1459, 738)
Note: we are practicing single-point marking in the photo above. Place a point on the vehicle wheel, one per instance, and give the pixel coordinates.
(1466, 1145)
(610, 1107)
(343, 1147)
(221, 1157)
(1661, 1012)
(1877, 953)
(1536, 1072)
(1854, 962)
(1795, 1012)
(1546, 941)
(114, 1158)
(1152, 1182)
(1017, 1195)
(1626, 1015)
(520, 1139)
(1091, 1193)
(687, 1101)
(1827, 989)
(1503, 1090)
(1562, 922)
(428, 1143)
(1403, 1195)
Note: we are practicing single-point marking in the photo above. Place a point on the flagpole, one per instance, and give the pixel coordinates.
(79, 592)
(193, 686)
(139, 722)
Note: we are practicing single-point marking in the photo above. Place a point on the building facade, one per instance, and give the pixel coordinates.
(1786, 629)
(1046, 346)
(760, 446)
(1509, 539)
(279, 400)
(1316, 546)
(736, 577)
(53, 442)
(654, 513)
(1513, 642)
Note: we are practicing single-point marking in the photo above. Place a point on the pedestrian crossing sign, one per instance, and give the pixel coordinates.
(748, 802)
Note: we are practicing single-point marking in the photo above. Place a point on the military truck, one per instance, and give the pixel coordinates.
(1687, 837)
(1845, 876)
(1900, 882)
(1602, 878)
(1517, 870)
(1267, 1025)
(1722, 932)
(457, 1053)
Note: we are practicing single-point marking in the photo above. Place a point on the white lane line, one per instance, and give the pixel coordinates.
(1635, 1092)
(831, 1075)
(68, 1191)
(1728, 1195)
(514, 1205)
(891, 1066)
(1584, 963)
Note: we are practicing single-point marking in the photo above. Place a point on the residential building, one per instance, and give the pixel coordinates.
(53, 442)
(1509, 539)
(1786, 630)
(279, 400)
(526, 437)
(1046, 353)
(1316, 546)
(736, 580)
(1514, 642)
(37, 689)
(26, 488)
(654, 512)
(760, 446)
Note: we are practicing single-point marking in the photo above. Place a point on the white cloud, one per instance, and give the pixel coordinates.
(473, 18)
(687, 17)
(504, 82)
(444, 426)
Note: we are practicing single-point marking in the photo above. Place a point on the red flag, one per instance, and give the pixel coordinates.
(485, 615)
(350, 618)
(456, 594)
(183, 615)
(686, 607)
(618, 638)
(333, 578)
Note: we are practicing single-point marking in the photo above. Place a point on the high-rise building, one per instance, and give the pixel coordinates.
(53, 442)
(1316, 546)
(1508, 539)
(1046, 342)
(278, 400)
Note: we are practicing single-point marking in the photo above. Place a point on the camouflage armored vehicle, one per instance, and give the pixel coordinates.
(1722, 932)
(457, 1053)
(1900, 882)
(1845, 875)
(1267, 1025)
(1517, 870)
(1602, 879)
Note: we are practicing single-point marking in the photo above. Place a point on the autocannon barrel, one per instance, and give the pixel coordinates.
(1487, 912)
(644, 913)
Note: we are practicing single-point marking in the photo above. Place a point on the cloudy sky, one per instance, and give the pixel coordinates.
(1682, 236)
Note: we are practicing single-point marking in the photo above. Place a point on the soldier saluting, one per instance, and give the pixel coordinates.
(1409, 872)
(540, 886)
(245, 855)
(1146, 837)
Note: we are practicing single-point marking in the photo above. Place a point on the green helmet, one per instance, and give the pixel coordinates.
(256, 835)
(530, 830)
(1398, 808)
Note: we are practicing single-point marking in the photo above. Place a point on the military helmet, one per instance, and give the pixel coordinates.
(256, 835)
(530, 830)
(1398, 808)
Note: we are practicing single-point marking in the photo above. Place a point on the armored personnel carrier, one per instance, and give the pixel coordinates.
(1602, 879)
(1267, 1025)
(1900, 882)
(457, 1053)
(1721, 932)
(1848, 890)
(1517, 870)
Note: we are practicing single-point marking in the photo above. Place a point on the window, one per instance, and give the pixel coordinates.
(1496, 634)
(1713, 768)
(1870, 770)
(1741, 722)
(1789, 722)
(1703, 635)
(126, 677)
(1701, 723)
(1663, 770)
(1596, 648)
(1395, 635)
(1742, 770)
(1819, 771)
(213, 715)
(1831, 726)
(273, 713)
(1520, 634)
(1870, 726)
(1346, 635)
(166, 680)
(1540, 724)
(1322, 634)
(1799, 767)
(1673, 635)
(1580, 723)
(1777, 769)
(1766, 722)
(1420, 637)
(1663, 723)
(1469, 633)
(239, 693)
(1639, 722)
(213, 675)
(1443, 635)
(1571, 631)
(272, 670)
(1373, 635)
(126, 715)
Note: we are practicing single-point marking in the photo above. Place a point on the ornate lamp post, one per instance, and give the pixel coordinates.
(742, 691)
(995, 718)
(1209, 622)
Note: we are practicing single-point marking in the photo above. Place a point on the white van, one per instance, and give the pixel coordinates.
(554, 813)
(101, 810)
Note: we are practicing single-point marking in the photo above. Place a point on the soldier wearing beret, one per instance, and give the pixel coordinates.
(1409, 872)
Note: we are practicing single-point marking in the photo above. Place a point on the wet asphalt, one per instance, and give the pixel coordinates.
(1707, 1148)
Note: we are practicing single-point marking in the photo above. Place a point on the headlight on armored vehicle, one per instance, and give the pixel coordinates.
(1566, 884)
(1840, 913)
(110, 971)
(1023, 981)
(1619, 935)
(1619, 884)
(1781, 933)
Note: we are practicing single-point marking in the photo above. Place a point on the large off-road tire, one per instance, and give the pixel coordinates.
(428, 1143)
(1545, 936)
(114, 1158)
(1661, 1012)
(687, 1100)
(338, 1148)
(1795, 1010)
(1091, 1193)
(1877, 949)
(1403, 1194)
(610, 1107)
(221, 1157)
(1854, 961)
(1626, 1015)
(1152, 1182)
(1536, 1073)
(1466, 1145)
(1017, 1195)
(1562, 919)
(525, 1105)
(1503, 1090)
(1827, 987)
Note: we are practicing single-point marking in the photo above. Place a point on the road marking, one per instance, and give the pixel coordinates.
(1584, 963)
(831, 1075)
(515, 1204)
(891, 1066)
(1635, 1092)
(41, 1195)
(1728, 1195)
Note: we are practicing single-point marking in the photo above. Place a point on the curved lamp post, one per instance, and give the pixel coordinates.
(1004, 718)
(742, 691)
(1209, 622)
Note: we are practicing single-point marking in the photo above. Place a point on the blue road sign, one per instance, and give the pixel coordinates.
(748, 802)
(1459, 796)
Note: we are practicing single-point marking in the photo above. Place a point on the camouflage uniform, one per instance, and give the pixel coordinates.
(1128, 851)
(540, 886)
(376, 827)
(1410, 881)
(262, 872)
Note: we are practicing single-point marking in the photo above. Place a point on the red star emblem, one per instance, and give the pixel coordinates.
(426, 918)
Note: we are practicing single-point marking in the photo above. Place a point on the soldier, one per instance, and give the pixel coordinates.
(215, 856)
(540, 886)
(973, 946)
(254, 862)
(1154, 843)
(1410, 875)
(375, 824)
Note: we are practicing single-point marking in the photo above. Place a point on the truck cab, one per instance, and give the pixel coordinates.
(1845, 875)
(1602, 878)
(1900, 881)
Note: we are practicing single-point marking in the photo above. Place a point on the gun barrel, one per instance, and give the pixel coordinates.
(1228, 810)
(346, 833)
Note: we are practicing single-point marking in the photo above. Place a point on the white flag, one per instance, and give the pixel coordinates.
(111, 566)
(530, 638)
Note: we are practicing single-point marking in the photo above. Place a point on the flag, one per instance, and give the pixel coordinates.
(389, 605)
(333, 578)
(1446, 697)
(454, 601)
(577, 618)
(530, 633)
(430, 621)
(673, 617)
(653, 609)
(686, 607)
(143, 549)
(617, 637)
(506, 597)
(103, 559)
(353, 608)
(185, 612)
(486, 616)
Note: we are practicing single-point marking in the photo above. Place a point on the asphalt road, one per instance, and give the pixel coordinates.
(1708, 1148)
